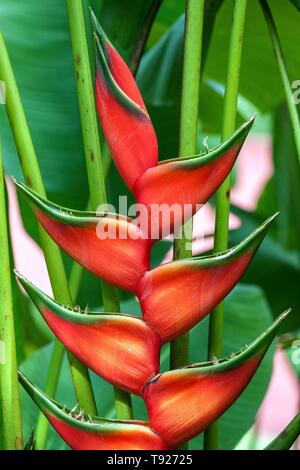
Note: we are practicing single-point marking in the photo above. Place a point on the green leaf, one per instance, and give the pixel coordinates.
(247, 315)
(283, 190)
(44, 71)
(127, 24)
(41, 55)
(260, 81)
(169, 12)
(296, 3)
(275, 269)
(162, 92)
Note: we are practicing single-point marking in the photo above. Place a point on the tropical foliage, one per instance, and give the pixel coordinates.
(160, 355)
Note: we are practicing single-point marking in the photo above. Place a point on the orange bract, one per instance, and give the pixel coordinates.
(123, 349)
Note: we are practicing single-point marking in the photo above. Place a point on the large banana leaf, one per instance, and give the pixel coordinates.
(37, 35)
(38, 40)
(276, 270)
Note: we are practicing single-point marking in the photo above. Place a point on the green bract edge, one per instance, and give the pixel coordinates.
(63, 214)
(253, 241)
(40, 299)
(103, 64)
(48, 405)
(259, 346)
(201, 159)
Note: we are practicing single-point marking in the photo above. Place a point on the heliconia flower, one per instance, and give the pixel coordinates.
(82, 432)
(125, 122)
(175, 296)
(187, 183)
(190, 180)
(184, 402)
(121, 348)
(109, 245)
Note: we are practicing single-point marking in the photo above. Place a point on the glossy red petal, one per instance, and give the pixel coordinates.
(82, 432)
(175, 296)
(125, 122)
(186, 183)
(184, 402)
(110, 246)
(122, 349)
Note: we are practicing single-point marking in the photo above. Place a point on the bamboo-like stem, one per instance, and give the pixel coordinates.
(11, 424)
(291, 104)
(188, 138)
(55, 266)
(179, 350)
(91, 142)
(92, 150)
(211, 436)
(42, 425)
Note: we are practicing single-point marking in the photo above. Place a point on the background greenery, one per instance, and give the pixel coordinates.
(37, 36)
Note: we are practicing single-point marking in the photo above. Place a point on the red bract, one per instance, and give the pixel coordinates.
(186, 183)
(120, 257)
(82, 432)
(184, 402)
(191, 180)
(125, 122)
(181, 403)
(174, 297)
(112, 345)
(123, 349)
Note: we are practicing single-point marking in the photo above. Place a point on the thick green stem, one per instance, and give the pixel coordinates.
(92, 150)
(287, 85)
(11, 424)
(188, 138)
(89, 126)
(56, 270)
(179, 353)
(211, 436)
(42, 424)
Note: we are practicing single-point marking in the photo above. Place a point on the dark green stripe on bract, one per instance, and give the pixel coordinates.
(255, 349)
(62, 214)
(90, 423)
(252, 242)
(102, 61)
(42, 300)
(196, 161)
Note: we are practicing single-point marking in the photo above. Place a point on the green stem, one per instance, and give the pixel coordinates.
(11, 424)
(42, 425)
(179, 352)
(55, 266)
(294, 117)
(211, 436)
(92, 150)
(287, 437)
(188, 138)
(89, 126)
